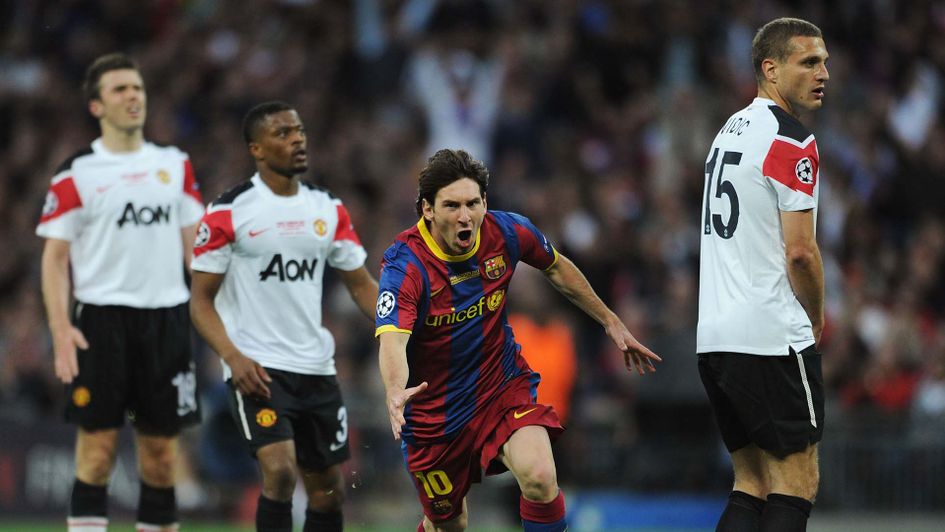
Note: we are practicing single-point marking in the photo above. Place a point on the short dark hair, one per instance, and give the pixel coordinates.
(106, 63)
(258, 114)
(773, 41)
(446, 167)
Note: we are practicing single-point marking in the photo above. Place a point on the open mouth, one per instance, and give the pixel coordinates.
(819, 91)
(464, 236)
(299, 154)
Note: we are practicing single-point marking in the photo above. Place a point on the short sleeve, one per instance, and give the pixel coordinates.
(191, 204)
(213, 245)
(61, 214)
(793, 171)
(534, 247)
(346, 252)
(399, 289)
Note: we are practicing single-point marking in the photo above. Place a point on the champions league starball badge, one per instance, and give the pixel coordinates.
(804, 170)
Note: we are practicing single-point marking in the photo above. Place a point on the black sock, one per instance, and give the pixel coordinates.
(88, 500)
(273, 516)
(785, 513)
(316, 521)
(742, 513)
(157, 506)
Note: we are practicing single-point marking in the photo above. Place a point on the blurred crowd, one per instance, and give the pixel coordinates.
(595, 119)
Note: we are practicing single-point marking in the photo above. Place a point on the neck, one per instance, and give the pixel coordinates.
(279, 184)
(116, 140)
(771, 93)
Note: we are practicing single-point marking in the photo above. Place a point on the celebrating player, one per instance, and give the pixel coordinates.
(459, 393)
(122, 214)
(761, 290)
(260, 256)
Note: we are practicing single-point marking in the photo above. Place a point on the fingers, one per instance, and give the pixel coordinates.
(80, 341)
(416, 390)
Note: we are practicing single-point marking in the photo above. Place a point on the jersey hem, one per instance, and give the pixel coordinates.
(747, 350)
(390, 328)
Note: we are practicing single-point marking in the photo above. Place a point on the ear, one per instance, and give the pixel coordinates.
(769, 67)
(427, 210)
(256, 151)
(96, 108)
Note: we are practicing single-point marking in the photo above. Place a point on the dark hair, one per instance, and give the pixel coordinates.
(773, 41)
(98, 68)
(446, 167)
(258, 114)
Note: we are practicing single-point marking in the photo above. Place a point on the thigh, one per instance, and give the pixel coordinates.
(528, 449)
(320, 422)
(260, 420)
(95, 453)
(711, 370)
(751, 471)
(98, 395)
(795, 474)
(164, 373)
(442, 474)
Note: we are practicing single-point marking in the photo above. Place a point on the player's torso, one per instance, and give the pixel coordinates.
(746, 302)
(271, 293)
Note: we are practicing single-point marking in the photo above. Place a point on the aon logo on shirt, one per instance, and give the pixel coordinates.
(145, 215)
(289, 270)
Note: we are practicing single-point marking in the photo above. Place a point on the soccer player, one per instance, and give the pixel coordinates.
(260, 255)
(761, 288)
(459, 393)
(122, 214)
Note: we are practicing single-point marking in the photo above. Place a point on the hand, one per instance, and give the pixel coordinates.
(248, 376)
(65, 343)
(818, 327)
(635, 354)
(395, 406)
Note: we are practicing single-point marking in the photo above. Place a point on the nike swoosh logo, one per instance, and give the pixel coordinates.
(520, 415)
(253, 234)
(434, 293)
(335, 446)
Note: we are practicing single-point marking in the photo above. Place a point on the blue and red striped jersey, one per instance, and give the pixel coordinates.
(453, 306)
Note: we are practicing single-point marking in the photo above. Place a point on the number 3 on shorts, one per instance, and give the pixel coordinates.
(435, 482)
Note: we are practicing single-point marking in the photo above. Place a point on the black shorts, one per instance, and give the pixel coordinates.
(775, 402)
(306, 409)
(139, 364)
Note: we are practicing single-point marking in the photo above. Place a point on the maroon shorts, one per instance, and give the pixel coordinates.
(443, 472)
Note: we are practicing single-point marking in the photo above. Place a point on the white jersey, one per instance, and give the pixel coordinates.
(763, 161)
(122, 214)
(272, 251)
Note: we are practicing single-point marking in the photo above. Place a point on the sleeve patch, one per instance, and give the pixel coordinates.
(214, 232)
(61, 198)
(191, 187)
(794, 167)
(345, 229)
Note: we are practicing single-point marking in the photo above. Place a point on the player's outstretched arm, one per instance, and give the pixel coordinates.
(363, 289)
(55, 281)
(568, 279)
(394, 372)
(248, 376)
(805, 267)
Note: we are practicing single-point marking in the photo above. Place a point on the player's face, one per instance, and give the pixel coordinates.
(281, 144)
(122, 100)
(456, 215)
(801, 79)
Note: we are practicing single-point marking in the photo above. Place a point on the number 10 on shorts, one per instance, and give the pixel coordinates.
(435, 482)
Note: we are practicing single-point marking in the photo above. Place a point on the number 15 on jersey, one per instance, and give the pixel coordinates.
(714, 221)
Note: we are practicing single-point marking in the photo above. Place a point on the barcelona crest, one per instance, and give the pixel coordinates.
(495, 267)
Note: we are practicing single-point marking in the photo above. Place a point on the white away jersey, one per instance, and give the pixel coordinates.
(273, 250)
(122, 214)
(762, 161)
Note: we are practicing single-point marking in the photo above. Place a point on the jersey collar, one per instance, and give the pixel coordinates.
(440, 254)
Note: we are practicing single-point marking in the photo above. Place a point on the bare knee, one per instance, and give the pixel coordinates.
(326, 493)
(539, 482)
(157, 464)
(278, 479)
(95, 457)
